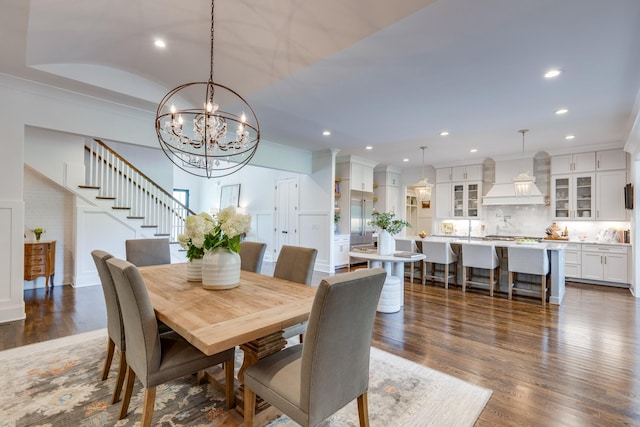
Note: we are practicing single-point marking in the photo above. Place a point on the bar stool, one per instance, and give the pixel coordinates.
(439, 253)
(480, 256)
(528, 260)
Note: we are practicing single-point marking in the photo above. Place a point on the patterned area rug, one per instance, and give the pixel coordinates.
(57, 383)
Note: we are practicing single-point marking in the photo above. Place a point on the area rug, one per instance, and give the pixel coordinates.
(57, 383)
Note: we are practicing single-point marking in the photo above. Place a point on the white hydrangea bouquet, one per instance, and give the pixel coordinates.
(229, 227)
(195, 229)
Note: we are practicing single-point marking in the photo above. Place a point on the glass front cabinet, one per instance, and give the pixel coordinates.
(466, 200)
(573, 196)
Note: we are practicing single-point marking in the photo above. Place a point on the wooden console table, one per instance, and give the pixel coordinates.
(40, 260)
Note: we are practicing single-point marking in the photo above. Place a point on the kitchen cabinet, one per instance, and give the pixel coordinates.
(361, 177)
(605, 263)
(573, 163)
(39, 260)
(340, 250)
(611, 160)
(387, 191)
(610, 195)
(466, 173)
(573, 196)
(466, 199)
(356, 170)
(387, 178)
(459, 174)
(443, 200)
(573, 260)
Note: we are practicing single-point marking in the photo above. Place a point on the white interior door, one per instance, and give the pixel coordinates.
(286, 214)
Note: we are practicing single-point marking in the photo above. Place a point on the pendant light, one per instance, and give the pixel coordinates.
(205, 128)
(523, 182)
(423, 187)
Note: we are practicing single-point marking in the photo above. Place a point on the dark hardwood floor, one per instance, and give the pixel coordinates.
(573, 365)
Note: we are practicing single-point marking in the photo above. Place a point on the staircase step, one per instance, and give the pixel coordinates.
(121, 208)
(164, 235)
(93, 187)
(105, 197)
(135, 217)
(148, 226)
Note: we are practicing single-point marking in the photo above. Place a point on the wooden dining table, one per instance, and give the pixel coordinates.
(252, 315)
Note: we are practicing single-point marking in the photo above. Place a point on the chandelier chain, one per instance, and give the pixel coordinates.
(211, 45)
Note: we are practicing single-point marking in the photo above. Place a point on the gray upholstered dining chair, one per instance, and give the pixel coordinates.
(152, 357)
(251, 255)
(311, 381)
(142, 252)
(295, 263)
(115, 327)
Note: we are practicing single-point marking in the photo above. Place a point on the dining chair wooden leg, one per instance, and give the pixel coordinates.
(147, 409)
(363, 410)
(128, 390)
(107, 362)
(122, 370)
(249, 411)
(229, 384)
(543, 290)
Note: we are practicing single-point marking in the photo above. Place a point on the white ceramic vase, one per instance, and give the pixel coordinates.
(194, 270)
(220, 269)
(386, 243)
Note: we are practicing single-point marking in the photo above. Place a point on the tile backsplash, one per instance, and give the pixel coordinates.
(525, 220)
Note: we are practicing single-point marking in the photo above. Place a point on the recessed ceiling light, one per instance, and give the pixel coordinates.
(368, 147)
(444, 133)
(554, 72)
(473, 150)
(570, 137)
(160, 43)
(562, 111)
(405, 160)
(326, 132)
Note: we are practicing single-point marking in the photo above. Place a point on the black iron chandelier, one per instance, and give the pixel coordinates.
(199, 133)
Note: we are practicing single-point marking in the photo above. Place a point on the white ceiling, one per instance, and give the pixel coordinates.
(387, 74)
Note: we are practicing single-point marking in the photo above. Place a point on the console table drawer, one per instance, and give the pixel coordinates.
(39, 260)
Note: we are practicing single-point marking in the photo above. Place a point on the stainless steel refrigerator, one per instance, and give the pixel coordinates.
(361, 207)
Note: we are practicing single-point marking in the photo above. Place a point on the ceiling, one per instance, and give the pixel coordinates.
(391, 75)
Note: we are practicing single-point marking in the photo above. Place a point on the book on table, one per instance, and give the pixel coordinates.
(407, 254)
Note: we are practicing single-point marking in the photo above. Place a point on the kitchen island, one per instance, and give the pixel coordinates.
(555, 249)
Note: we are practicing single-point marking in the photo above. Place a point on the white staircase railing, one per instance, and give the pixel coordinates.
(131, 190)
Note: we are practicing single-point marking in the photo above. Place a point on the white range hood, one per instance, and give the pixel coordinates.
(503, 191)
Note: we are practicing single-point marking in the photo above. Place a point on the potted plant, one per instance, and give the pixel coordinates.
(38, 231)
(388, 226)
